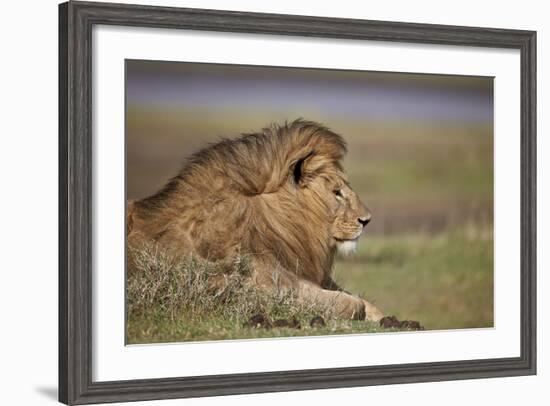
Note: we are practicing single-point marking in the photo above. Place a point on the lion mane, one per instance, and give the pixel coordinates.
(250, 196)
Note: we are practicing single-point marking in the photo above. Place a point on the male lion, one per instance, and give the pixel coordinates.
(279, 196)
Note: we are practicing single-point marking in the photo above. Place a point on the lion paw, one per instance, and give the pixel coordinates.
(393, 322)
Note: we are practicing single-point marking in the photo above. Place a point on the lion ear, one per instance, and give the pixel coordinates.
(299, 169)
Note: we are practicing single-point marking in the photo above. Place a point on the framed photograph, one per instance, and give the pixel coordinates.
(257, 202)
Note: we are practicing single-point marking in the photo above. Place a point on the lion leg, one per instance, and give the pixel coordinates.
(372, 313)
(346, 305)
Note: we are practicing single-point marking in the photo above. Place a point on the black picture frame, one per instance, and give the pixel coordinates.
(76, 20)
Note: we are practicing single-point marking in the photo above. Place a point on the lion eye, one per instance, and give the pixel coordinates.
(338, 193)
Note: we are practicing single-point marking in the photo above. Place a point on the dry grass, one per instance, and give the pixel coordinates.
(173, 299)
(174, 285)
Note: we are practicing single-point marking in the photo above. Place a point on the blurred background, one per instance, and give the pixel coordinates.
(420, 157)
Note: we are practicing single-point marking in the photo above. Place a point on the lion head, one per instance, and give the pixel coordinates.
(280, 195)
(350, 218)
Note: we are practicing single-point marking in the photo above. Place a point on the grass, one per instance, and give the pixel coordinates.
(173, 299)
(427, 254)
(445, 281)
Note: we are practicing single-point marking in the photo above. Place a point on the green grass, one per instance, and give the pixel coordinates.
(427, 254)
(445, 281)
(155, 327)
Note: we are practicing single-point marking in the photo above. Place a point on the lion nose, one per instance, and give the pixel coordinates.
(364, 220)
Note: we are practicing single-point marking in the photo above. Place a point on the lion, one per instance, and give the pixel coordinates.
(280, 196)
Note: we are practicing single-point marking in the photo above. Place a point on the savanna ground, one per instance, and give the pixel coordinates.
(427, 255)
